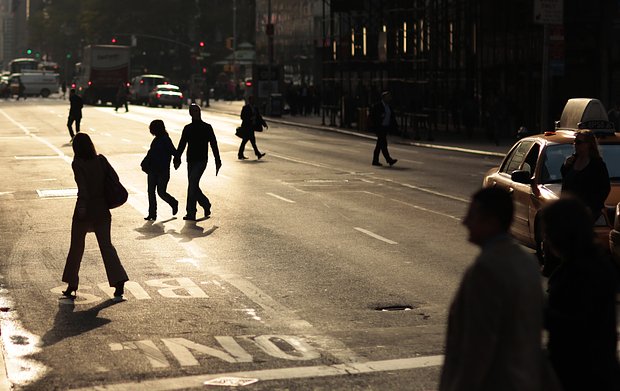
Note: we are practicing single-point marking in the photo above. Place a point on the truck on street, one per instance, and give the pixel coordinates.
(102, 69)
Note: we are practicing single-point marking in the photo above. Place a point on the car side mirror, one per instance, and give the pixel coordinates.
(521, 176)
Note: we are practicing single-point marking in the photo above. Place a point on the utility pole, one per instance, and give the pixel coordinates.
(234, 48)
(269, 29)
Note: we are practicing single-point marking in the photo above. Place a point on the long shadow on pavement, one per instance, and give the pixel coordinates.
(69, 323)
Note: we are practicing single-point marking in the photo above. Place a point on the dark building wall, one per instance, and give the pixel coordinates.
(482, 50)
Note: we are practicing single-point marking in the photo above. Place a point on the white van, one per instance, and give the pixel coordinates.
(35, 82)
(142, 85)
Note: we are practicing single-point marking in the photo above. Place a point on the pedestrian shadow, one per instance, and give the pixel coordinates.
(151, 230)
(69, 323)
(252, 161)
(393, 168)
(191, 231)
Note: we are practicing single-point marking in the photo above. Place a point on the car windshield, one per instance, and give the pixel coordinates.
(555, 155)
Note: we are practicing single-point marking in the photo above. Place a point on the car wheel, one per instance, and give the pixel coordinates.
(45, 92)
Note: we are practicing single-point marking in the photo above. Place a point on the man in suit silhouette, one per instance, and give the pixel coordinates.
(383, 121)
(495, 322)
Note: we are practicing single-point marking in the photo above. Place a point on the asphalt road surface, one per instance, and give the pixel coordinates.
(283, 285)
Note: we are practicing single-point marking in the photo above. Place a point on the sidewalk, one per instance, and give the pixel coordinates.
(443, 139)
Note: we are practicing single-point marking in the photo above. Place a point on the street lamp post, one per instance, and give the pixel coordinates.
(234, 61)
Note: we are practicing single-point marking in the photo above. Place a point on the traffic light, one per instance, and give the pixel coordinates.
(202, 44)
(28, 51)
(113, 39)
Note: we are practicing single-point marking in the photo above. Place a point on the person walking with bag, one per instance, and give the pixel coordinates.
(92, 214)
(251, 121)
(383, 121)
(197, 136)
(157, 166)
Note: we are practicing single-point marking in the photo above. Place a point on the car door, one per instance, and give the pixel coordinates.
(520, 192)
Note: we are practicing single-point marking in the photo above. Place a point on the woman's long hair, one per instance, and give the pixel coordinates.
(157, 128)
(83, 147)
(590, 138)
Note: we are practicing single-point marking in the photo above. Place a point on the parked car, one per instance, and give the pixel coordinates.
(166, 95)
(531, 170)
(141, 86)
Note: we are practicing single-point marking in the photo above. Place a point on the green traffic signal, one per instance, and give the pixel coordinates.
(28, 51)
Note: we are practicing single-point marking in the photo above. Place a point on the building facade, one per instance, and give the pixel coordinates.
(477, 61)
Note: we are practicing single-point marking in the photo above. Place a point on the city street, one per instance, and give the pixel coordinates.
(284, 283)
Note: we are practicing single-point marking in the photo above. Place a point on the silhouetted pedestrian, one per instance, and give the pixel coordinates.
(206, 92)
(495, 322)
(197, 136)
(63, 88)
(75, 112)
(251, 121)
(91, 214)
(581, 309)
(157, 166)
(121, 96)
(585, 175)
(21, 89)
(383, 121)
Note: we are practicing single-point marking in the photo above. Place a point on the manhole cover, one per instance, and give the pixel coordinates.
(228, 381)
(392, 308)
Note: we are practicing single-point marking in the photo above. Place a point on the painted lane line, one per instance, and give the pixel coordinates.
(457, 149)
(302, 161)
(60, 153)
(281, 198)
(277, 374)
(126, 140)
(374, 235)
(437, 193)
(422, 189)
(427, 210)
(411, 161)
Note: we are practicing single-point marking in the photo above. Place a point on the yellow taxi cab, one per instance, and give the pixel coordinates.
(531, 171)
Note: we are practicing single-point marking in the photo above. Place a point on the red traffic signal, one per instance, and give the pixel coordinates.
(202, 44)
(113, 39)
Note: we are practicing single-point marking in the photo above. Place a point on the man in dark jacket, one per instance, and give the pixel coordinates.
(75, 112)
(494, 326)
(251, 121)
(197, 136)
(383, 120)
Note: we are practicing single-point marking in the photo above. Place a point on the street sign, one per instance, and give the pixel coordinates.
(549, 11)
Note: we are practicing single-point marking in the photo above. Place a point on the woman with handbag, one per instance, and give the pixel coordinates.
(92, 214)
(251, 121)
(156, 164)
